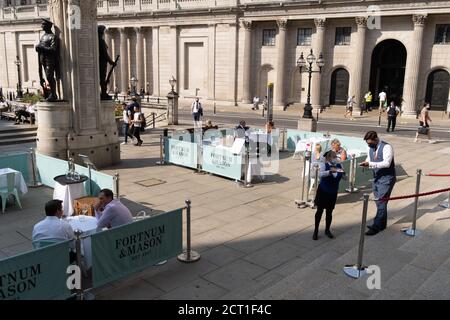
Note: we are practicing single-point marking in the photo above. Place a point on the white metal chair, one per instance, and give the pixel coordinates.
(9, 190)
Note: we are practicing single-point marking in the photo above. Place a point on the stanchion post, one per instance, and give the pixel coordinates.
(413, 230)
(283, 140)
(379, 118)
(359, 270)
(189, 255)
(34, 182)
(116, 185)
(78, 233)
(301, 203)
(161, 146)
(154, 120)
(352, 176)
(90, 178)
(247, 180)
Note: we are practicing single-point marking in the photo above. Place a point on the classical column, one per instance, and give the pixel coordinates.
(123, 60)
(279, 99)
(155, 61)
(140, 67)
(247, 95)
(318, 49)
(358, 60)
(108, 40)
(413, 67)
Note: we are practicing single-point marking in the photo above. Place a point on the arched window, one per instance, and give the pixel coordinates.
(339, 86)
(438, 86)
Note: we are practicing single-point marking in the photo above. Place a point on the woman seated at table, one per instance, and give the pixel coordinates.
(330, 175)
(341, 154)
(110, 212)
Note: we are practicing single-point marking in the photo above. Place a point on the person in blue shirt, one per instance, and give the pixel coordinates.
(330, 175)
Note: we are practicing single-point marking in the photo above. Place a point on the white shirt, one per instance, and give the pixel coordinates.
(388, 155)
(196, 106)
(382, 96)
(52, 229)
(325, 173)
(255, 100)
(137, 118)
(31, 109)
(350, 102)
(126, 116)
(115, 214)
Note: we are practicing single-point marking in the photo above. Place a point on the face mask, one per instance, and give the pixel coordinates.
(373, 145)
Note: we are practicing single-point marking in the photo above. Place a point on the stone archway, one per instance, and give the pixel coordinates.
(438, 86)
(388, 69)
(340, 79)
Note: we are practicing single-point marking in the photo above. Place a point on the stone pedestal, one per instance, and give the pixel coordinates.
(172, 108)
(307, 125)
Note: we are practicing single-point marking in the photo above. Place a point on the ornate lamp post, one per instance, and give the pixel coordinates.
(172, 103)
(173, 83)
(133, 84)
(18, 63)
(308, 63)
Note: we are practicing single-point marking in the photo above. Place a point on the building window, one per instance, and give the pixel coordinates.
(343, 35)
(304, 36)
(269, 37)
(442, 34)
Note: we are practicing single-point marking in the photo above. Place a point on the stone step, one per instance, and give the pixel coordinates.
(18, 129)
(17, 140)
(17, 135)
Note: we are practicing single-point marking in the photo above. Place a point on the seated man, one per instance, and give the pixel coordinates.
(110, 212)
(52, 228)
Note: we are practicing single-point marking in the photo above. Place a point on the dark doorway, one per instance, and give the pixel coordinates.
(339, 87)
(388, 70)
(438, 86)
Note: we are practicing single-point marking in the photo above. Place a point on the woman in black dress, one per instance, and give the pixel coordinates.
(330, 175)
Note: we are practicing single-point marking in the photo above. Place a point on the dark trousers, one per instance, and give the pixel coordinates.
(382, 189)
(22, 113)
(392, 121)
(137, 134)
(126, 131)
(329, 217)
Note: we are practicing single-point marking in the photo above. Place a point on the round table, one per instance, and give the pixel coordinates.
(67, 191)
(88, 225)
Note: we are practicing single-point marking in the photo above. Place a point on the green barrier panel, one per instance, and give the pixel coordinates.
(363, 175)
(133, 247)
(181, 153)
(222, 162)
(293, 136)
(49, 167)
(99, 180)
(36, 275)
(19, 161)
(344, 183)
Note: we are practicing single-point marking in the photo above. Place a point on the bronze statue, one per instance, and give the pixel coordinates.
(48, 51)
(104, 59)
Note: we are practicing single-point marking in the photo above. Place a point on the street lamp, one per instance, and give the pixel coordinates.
(133, 84)
(308, 63)
(173, 83)
(19, 84)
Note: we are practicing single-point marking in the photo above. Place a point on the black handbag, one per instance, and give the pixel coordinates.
(422, 130)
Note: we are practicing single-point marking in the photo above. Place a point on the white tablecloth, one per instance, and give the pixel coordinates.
(89, 226)
(19, 182)
(67, 194)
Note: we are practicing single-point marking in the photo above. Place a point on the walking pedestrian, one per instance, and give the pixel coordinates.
(255, 103)
(424, 122)
(138, 120)
(392, 112)
(383, 100)
(368, 100)
(349, 111)
(126, 123)
(330, 175)
(197, 112)
(381, 161)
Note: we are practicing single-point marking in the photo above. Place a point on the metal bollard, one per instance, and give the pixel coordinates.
(189, 255)
(351, 181)
(413, 231)
(283, 140)
(90, 178)
(446, 204)
(34, 182)
(318, 112)
(247, 180)
(161, 145)
(359, 270)
(116, 185)
(301, 204)
(379, 118)
(154, 120)
(78, 233)
(214, 108)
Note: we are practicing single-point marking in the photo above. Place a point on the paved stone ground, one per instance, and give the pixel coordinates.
(255, 243)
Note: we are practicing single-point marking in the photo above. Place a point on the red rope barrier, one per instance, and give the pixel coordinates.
(437, 175)
(415, 195)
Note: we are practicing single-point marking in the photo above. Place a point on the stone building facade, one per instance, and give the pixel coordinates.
(228, 50)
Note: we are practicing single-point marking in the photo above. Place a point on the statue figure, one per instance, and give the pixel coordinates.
(48, 51)
(104, 59)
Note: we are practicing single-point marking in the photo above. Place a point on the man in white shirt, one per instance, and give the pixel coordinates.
(381, 161)
(52, 228)
(110, 212)
(382, 97)
(255, 103)
(197, 112)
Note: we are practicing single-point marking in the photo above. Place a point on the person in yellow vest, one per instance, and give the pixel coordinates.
(368, 100)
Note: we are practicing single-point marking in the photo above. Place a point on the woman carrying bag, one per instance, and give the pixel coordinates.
(330, 175)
